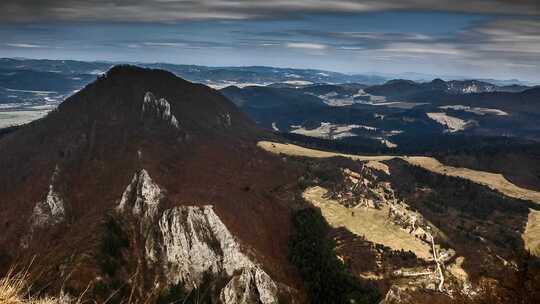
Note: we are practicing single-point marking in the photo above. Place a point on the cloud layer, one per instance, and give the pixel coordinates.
(178, 10)
(494, 38)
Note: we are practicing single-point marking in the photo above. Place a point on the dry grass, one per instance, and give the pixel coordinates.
(494, 181)
(531, 236)
(491, 180)
(373, 224)
(15, 289)
(295, 150)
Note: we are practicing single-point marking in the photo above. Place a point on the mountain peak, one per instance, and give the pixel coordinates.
(128, 70)
(133, 97)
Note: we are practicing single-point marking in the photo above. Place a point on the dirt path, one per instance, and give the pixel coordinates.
(373, 224)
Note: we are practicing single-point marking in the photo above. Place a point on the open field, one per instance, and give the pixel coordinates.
(532, 233)
(492, 180)
(15, 118)
(295, 150)
(495, 181)
(371, 223)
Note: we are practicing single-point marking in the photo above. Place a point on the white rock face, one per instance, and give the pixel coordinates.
(187, 243)
(453, 124)
(242, 288)
(141, 199)
(142, 196)
(159, 108)
(50, 211)
(195, 241)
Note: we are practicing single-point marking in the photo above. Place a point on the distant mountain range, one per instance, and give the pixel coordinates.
(217, 76)
(223, 76)
(302, 100)
(423, 77)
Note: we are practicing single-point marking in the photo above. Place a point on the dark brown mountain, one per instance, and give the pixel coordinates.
(142, 185)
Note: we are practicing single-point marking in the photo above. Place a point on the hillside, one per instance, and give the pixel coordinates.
(142, 178)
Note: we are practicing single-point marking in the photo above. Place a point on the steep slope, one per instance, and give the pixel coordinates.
(136, 172)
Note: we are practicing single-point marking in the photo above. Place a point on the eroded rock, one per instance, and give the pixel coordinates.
(189, 244)
(160, 109)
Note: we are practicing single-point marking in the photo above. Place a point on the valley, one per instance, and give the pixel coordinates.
(494, 181)
(187, 192)
(402, 224)
(269, 152)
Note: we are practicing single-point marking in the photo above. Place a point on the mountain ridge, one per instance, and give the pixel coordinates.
(62, 177)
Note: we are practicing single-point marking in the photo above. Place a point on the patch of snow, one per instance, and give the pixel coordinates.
(386, 142)
(4, 106)
(453, 124)
(223, 84)
(329, 130)
(333, 100)
(293, 75)
(16, 118)
(371, 99)
(30, 91)
(96, 72)
(475, 110)
(298, 82)
(394, 132)
(362, 97)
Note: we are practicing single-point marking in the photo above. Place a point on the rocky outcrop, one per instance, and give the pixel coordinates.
(52, 209)
(141, 201)
(48, 212)
(160, 109)
(195, 242)
(189, 244)
(225, 120)
(141, 197)
(252, 285)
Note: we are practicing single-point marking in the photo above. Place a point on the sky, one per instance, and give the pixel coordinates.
(474, 38)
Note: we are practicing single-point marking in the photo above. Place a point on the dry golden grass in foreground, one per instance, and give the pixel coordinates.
(15, 289)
